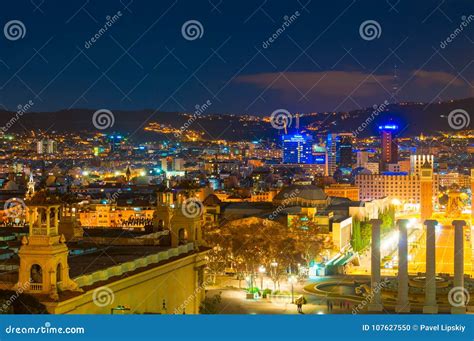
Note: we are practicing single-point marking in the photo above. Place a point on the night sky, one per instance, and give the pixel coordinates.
(319, 63)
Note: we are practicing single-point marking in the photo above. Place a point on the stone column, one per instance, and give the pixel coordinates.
(48, 220)
(56, 219)
(376, 304)
(32, 215)
(403, 305)
(39, 215)
(430, 306)
(458, 282)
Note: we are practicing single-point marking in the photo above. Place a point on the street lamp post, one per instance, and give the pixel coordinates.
(292, 280)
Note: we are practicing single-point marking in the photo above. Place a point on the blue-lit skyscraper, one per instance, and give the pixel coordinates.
(297, 148)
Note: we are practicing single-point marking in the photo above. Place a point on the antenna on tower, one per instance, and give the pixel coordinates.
(395, 84)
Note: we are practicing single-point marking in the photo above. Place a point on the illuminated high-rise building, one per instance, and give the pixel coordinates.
(344, 151)
(297, 148)
(339, 149)
(115, 142)
(46, 147)
(389, 147)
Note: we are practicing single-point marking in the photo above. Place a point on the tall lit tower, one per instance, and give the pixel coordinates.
(339, 151)
(395, 83)
(389, 147)
(426, 191)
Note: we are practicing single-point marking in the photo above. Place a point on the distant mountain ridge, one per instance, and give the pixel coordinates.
(412, 118)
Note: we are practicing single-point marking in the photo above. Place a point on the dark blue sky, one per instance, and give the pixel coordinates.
(320, 62)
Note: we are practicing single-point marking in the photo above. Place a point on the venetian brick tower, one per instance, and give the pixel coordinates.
(426, 191)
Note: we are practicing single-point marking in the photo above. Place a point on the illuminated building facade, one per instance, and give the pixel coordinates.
(403, 187)
(417, 161)
(339, 151)
(389, 147)
(145, 275)
(342, 191)
(297, 148)
(46, 147)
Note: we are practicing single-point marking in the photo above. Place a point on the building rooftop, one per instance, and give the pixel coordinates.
(306, 192)
(107, 256)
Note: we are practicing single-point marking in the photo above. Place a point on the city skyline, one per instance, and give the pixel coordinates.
(282, 158)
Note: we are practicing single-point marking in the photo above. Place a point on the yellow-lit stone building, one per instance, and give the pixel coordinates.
(158, 273)
(342, 191)
(110, 215)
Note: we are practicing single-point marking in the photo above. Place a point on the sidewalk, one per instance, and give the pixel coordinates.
(234, 302)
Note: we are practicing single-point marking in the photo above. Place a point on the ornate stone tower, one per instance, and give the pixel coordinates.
(164, 209)
(44, 255)
(426, 191)
(181, 217)
(187, 222)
